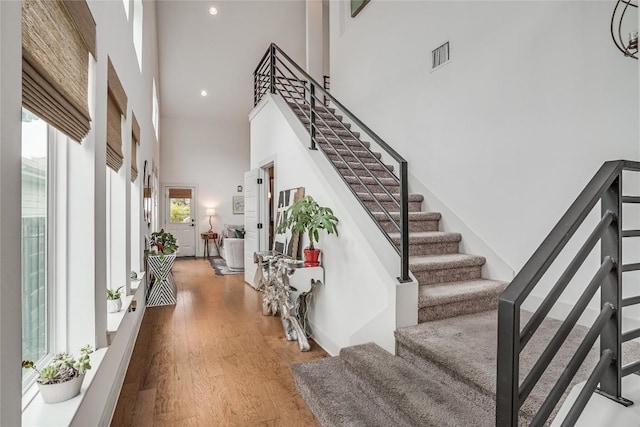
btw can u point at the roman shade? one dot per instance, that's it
(116, 108)
(135, 140)
(180, 193)
(57, 37)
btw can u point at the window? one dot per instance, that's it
(137, 30)
(180, 210)
(125, 3)
(156, 109)
(180, 205)
(36, 284)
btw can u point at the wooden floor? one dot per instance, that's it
(212, 359)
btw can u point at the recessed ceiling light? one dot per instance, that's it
(203, 93)
(213, 11)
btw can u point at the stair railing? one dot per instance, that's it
(277, 73)
(604, 188)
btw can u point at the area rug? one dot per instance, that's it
(219, 265)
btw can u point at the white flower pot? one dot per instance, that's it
(55, 393)
(114, 305)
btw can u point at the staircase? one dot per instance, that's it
(444, 373)
(450, 282)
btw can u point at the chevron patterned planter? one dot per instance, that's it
(163, 288)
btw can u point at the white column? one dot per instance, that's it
(10, 213)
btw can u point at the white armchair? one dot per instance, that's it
(233, 253)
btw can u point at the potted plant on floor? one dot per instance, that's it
(62, 378)
(306, 216)
(114, 302)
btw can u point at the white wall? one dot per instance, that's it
(212, 155)
(535, 99)
(358, 301)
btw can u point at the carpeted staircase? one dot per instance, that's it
(365, 385)
(444, 370)
(450, 282)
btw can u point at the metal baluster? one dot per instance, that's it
(312, 116)
(272, 68)
(404, 223)
(611, 293)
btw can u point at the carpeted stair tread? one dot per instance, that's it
(428, 237)
(368, 180)
(447, 343)
(416, 398)
(354, 152)
(333, 398)
(453, 292)
(383, 197)
(320, 111)
(362, 174)
(366, 165)
(441, 262)
(338, 142)
(324, 121)
(336, 132)
(413, 216)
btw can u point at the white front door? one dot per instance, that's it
(180, 217)
(251, 219)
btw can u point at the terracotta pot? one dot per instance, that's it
(55, 393)
(311, 257)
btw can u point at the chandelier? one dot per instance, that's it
(629, 49)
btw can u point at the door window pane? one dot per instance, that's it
(180, 210)
(35, 324)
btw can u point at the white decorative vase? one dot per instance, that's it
(56, 393)
(114, 305)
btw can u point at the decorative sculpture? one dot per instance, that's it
(272, 280)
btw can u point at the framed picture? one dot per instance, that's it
(286, 243)
(357, 6)
(238, 205)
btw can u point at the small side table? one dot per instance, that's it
(206, 237)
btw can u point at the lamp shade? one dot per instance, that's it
(211, 211)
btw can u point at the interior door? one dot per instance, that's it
(180, 217)
(251, 219)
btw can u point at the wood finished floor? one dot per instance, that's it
(212, 359)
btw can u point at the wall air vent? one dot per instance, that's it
(440, 56)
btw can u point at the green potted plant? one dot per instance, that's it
(160, 255)
(114, 302)
(161, 243)
(62, 378)
(306, 216)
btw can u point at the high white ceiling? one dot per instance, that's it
(198, 51)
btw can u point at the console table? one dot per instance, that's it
(288, 288)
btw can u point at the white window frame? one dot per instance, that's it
(56, 295)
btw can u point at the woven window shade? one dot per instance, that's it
(116, 108)
(180, 193)
(135, 140)
(57, 37)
